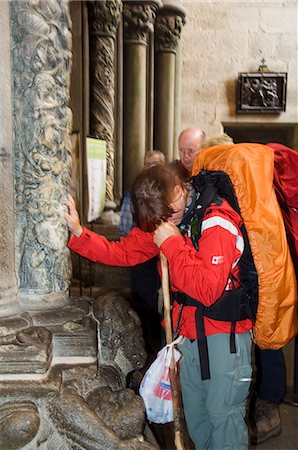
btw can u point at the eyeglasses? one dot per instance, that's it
(188, 151)
(173, 203)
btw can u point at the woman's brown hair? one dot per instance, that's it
(151, 196)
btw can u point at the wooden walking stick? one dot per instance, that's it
(176, 398)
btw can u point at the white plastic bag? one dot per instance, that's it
(155, 388)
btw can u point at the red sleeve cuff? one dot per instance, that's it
(171, 244)
(75, 243)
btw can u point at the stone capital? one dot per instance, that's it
(138, 20)
(104, 17)
(168, 26)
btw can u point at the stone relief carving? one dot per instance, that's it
(167, 32)
(41, 60)
(77, 406)
(80, 422)
(138, 21)
(28, 350)
(121, 340)
(19, 424)
(104, 18)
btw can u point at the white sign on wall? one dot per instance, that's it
(96, 172)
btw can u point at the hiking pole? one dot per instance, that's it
(176, 398)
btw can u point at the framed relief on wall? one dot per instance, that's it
(261, 92)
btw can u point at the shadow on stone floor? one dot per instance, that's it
(286, 440)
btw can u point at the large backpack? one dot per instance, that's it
(250, 168)
(286, 189)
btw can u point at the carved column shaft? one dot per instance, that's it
(139, 18)
(169, 22)
(8, 281)
(104, 18)
(41, 58)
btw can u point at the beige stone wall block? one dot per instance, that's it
(193, 68)
(206, 91)
(202, 113)
(243, 18)
(202, 17)
(223, 69)
(231, 44)
(279, 17)
(262, 45)
(286, 47)
(226, 93)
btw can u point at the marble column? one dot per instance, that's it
(169, 22)
(8, 280)
(41, 63)
(104, 18)
(138, 21)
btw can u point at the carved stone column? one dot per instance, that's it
(8, 280)
(169, 22)
(139, 18)
(41, 59)
(104, 18)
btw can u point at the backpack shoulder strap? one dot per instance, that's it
(206, 191)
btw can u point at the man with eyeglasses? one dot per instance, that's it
(189, 143)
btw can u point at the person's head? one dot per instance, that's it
(158, 195)
(222, 139)
(189, 143)
(154, 157)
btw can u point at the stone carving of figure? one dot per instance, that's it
(76, 419)
(19, 424)
(41, 50)
(121, 340)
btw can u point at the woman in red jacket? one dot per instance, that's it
(214, 387)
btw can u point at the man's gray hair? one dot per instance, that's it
(158, 153)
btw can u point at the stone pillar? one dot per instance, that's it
(41, 61)
(169, 22)
(177, 106)
(104, 18)
(8, 280)
(139, 17)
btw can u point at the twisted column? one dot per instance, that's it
(104, 18)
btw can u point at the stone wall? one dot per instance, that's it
(222, 38)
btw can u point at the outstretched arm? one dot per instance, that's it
(133, 249)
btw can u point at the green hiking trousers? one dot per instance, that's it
(214, 409)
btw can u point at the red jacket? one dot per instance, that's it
(202, 274)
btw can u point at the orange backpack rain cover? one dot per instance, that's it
(250, 168)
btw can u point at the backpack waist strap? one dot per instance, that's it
(232, 306)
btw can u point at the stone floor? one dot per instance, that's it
(286, 440)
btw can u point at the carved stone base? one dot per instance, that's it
(80, 401)
(27, 352)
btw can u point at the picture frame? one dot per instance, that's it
(261, 92)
